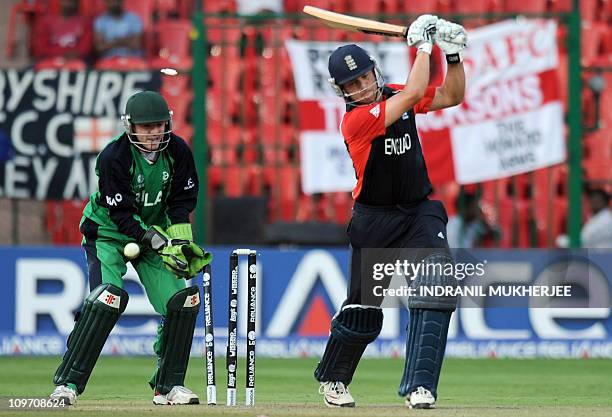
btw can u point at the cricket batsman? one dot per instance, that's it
(392, 208)
(147, 186)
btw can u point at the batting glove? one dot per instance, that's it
(421, 31)
(452, 40)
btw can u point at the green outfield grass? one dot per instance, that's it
(285, 387)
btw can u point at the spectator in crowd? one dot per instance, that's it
(468, 228)
(118, 33)
(597, 231)
(63, 35)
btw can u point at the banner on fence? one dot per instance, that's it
(53, 124)
(511, 120)
(299, 291)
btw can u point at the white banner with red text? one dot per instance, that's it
(511, 120)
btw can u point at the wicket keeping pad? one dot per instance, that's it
(101, 310)
(351, 332)
(177, 336)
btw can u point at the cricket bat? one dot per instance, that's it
(356, 24)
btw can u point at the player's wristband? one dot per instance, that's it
(425, 46)
(454, 58)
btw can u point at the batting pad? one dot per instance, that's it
(101, 310)
(351, 332)
(425, 347)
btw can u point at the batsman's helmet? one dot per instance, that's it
(349, 62)
(147, 107)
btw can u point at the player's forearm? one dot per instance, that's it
(417, 82)
(415, 88)
(454, 83)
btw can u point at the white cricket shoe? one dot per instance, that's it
(65, 394)
(421, 398)
(178, 395)
(336, 394)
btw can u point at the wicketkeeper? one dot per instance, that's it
(392, 208)
(147, 186)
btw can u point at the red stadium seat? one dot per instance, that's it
(176, 85)
(223, 36)
(253, 180)
(606, 11)
(550, 217)
(144, 9)
(283, 187)
(343, 204)
(605, 58)
(562, 73)
(62, 221)
(173, 44)
(598, 145)
(289, 188)
(288, 135)
(365, 8)
(546, 183)
(597, 169)
(185, 132)
(591, 40)
(165, 8)
(606, 103)
(223, 142)
(122, 63)
(181, 107)
(61, 63)
(305, 209)
(561, 5)
(522, 6)
(490, 192)
(218, 6)
(250, 152)
(514, 218)
(420, 7)
(274, 69)
(322, 4)
(588, 10)
(232, 181)
(391, 7)
(222, 106)
(472, 6)
(505, 220)
(274, 155)
(224, 72)
(274, 36)
(92, 8)
(215, 179)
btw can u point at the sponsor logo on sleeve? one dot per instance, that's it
(190, 185)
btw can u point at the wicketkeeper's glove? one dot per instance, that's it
(452, 40)
(169, 249)
(421, 31)
(195, 256)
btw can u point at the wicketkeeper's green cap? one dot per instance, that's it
(147, 107)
